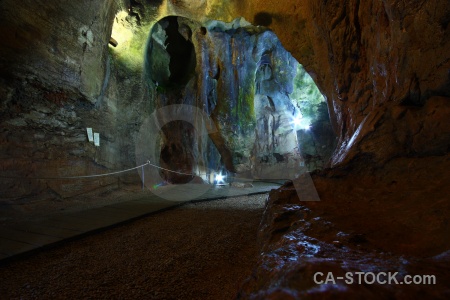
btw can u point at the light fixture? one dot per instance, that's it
(219, 178)
(113, 42)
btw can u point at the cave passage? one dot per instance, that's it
(78, 218)
(181, 51)
(170, 60)
(271, 118)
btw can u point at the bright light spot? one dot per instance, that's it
(301, 123)
(219, 178)
(121, 30)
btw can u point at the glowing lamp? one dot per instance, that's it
(219, 178)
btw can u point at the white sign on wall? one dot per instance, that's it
(96, 139)
(90, 134)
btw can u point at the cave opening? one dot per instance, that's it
(170, 59)
(271, 118)
(315, 133)
(181, 51)
(72, 111)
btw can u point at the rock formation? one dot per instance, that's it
(382, 66)
(242, 78)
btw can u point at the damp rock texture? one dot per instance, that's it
(57, 79)
(389, 220)
(382, 66)
(242, 79)
(60, 76)
(372, 60)
(384, 69)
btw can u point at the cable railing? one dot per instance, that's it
(148, 163)
(76, 177)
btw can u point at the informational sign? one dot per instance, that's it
(90, 134)
(97, 139)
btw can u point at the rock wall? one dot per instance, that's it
(53, 64)
(380, 208)
(376, 62)
(62, 45)
(383, 67)
(390, 219)
(242, 78)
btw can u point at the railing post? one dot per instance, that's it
(143, 178)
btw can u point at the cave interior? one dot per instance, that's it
(346, 106)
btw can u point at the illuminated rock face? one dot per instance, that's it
(242, 78)
(383, 67)
(364, 56)
(372, 60)
(367, 58)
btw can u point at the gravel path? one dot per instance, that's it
(197, 251)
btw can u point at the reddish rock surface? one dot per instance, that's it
(389, 219)
(369, 58)
(382, 65)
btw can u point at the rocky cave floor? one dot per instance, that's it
(197, 251)
(390, 218)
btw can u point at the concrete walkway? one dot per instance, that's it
(29, 236)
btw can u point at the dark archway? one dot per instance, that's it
(170, 59)
(247, 83)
